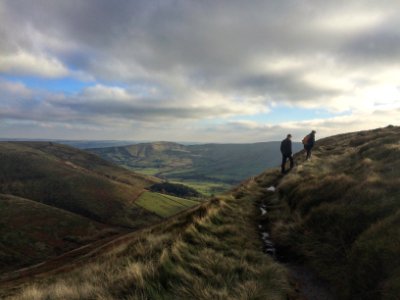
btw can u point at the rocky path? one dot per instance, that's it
(307, 284)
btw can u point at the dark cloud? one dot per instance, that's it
(195, 60)
(212, 38)
(381, 45)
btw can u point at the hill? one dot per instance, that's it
(210, 168)
(31, 232)
(209, 252)
(74, 180)
(335, 216)
(338, 214)
(80, 144)
(55, 198)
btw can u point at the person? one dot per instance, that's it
(309, 141)
(286, 150)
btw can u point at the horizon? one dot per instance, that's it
(2, 139)
(213, 72)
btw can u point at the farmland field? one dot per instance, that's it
(164, 205)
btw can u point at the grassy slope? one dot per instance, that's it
(71, 198)
(164, 205)
(31, 232)
(340, 213)
(73, 180)
(211, 252)
(337, 212)
(215, 166)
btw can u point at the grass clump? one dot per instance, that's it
(209, 252)
(339, 212)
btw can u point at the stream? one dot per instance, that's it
(307, 284)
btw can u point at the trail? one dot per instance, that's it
(65, 261)
(74, 258)
(307, 285)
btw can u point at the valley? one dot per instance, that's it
(209, 168)
(55, 198)
(199, 150)
(331, 225)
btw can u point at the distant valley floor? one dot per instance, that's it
(209, 168)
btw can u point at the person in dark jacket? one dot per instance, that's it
(286, 150)
(309, 144)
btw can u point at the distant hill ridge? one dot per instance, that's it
(54, 198)
(224, 163)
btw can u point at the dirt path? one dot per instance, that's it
(73, 259)
(307, 285)
(68, 260)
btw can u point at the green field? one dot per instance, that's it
(144, 171)
(164, 205)
(207, 188)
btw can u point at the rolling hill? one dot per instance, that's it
(74, 180)
(55, 198)
(210, 168)
(31, 232)
(80, 144)
(335, 216)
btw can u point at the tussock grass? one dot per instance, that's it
(212, 252)
(340, 212)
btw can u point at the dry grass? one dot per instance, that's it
(339, 212)
(211, 253)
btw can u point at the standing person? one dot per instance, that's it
(286, 150)
(308, 142)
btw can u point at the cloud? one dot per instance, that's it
(196, 61)
(109, 105)
(251, 131)
(12, 90)
(23, 63)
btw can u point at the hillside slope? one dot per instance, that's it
(209, 252)
(73, 180)
(339, 213)
(31, 232)
(225, 164)
(55, 198)
(336, 215)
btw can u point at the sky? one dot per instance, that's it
(197, 70)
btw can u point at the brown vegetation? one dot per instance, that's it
(212, 252)
(339, 213)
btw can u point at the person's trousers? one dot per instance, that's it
(285, 157)
(308, 151)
